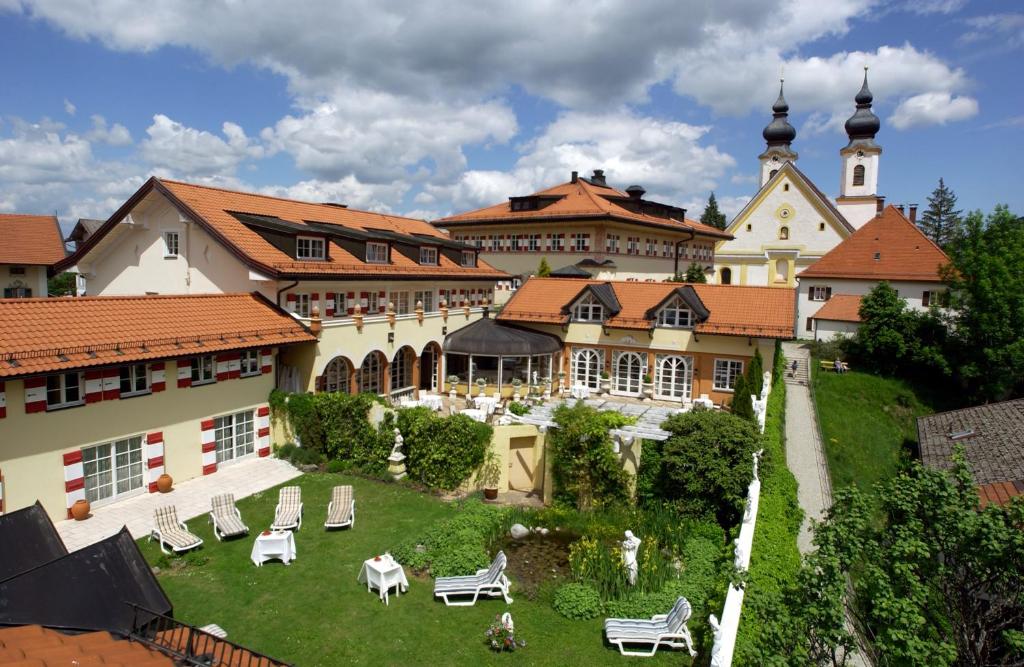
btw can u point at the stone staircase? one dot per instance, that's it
(802, 373)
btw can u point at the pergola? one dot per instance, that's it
(499, 354)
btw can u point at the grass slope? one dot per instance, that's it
(314, 612)
(868, 425)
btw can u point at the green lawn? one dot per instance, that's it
(314, 612)
(867, 423)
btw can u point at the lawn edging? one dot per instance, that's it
(775, 559)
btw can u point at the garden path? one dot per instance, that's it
(191, 498)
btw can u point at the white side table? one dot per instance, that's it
(383, 574)
(278, 545)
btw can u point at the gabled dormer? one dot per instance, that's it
(594, 303)
(681, 309)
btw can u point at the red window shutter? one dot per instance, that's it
(93, 386)
(111, 384)
(292, 297)
(3, 405)
(266, 360)
(158, 376)
(184, 373)
(350, 302)
(329, 306)
(35, 394)
(382, 301)
(222, 370)
(315, 296)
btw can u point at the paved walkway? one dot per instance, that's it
(191, 498)
(804, 453)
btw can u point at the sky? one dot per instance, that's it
(427, 109)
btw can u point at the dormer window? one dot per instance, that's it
(676, 314)
(308, 247)
(588, 309)
(428, 256)
(376, 253)
(468, 258)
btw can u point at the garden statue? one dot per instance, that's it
(396, 461)
(716, 647)
(757, 459)
(629, 548)
(506, 620)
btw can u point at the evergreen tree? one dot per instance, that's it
(742, 406)
(544, 270)
(695, 274)
(755, 374)
(941, 222)
(711, 215)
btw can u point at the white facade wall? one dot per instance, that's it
(34, 278)
(911, 291)
(826, 330)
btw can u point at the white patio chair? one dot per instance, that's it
(225, 517)
(288, 513)
(491, 582)
(171, 532)
(341, 511)
(664, 629)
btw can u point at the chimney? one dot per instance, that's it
(899, 207)
(598, 177)
(635, 192)
(575, 176)
(913, 213)
(879, 205)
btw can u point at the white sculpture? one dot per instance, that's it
(506, 620)
(629, 548)
(716, 647)
(396, 450)
(757, 460)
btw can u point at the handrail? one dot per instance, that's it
(190, 645)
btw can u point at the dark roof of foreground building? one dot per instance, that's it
(487, 337)
(38, 541)
(993, 439)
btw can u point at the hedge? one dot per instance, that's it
(775, 559)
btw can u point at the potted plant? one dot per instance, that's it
(80, 510)
(648, 386)
(490, 474)
(453, 380)
(517, 384)
(481, 385)
(606, 382)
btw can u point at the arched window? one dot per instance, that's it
(676, 314)
(673, 377)
(858, 175)
(401, 369)
(369, 374)
(336, 375)
(726, 276)
(628, 369)
(772, 173)
(587, 364)
(588, 309)
(784, 233)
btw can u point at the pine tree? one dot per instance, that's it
(695, 274)
(742, 406)
(543, 270)
(755, 374)
(711, 215)
(941, 222)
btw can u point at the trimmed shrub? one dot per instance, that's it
(337, 466)
(442, 451)
(579, 601)
(458, 546)
(459, 559)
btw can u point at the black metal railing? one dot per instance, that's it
(191, 646)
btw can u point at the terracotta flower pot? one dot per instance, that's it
(164, 483)
(491, 494)
(80, 510)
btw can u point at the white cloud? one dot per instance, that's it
(348, 190)
(932, 109)
(197, 153)
(999, 31)
(114, 135)
(69, 108)
(925, 7)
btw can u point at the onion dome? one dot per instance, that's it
(863, 124)
(779, 132)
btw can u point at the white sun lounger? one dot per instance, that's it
(288, 513)
(664, 629)
(226, 519)
(168, 531)
(341, 511)
(491, 582)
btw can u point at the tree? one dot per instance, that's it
(586, 471)
(711, 215)
(941, 221)
(62, 284)
(544, 270)
(934, 580)
(987, 304)
(695, 273)
(755, 373)
(741, 403)
(707, 463)
(883, 341)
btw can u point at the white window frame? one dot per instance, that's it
(633, 245)
(250, 363)
(372, 303)
(588, 309)
(310, 252)
(727, 370)
(204, 370)
(340, 304)
(673, 377)
(133, 377)
(401, 302)
(376, 252)
(428, 300)
(428, 256)
(303, 305)
(819, 293)
(234, 436)
(557, 242)
(401, 370)
(63, 390)
(580, 242)
(672, 315)
(337, 376)
(468, 258)
(172, 243)
(533, 243)
(370, 376)
(587, 364)
(631, 382)
(612, 243)
(92, 462)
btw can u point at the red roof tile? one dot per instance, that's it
(46, 335)
(580, 200)
(902, 251)
(1000, 493)
(840, 308)
(735, 310)
(41, 647)
(30, 239)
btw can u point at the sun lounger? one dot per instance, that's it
(288, 514)
(226, 519)
(341, 511)
(661, 630)
(491, 582)
(170, 532)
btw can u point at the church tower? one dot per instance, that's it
(858, 189)
(779, 134)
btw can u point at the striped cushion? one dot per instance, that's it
(289, 506)
(341, 504)
(223, 509)
(170, 532)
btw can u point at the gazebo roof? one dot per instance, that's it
(489, 338)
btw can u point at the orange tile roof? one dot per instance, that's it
(736, 310)
(35, 646)
(46, 335)
(904, 253)
(579, 200)
(30, 239)
(1000, 493)
(840, 308)
(211, 207)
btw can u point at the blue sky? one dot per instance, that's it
(397, 106)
